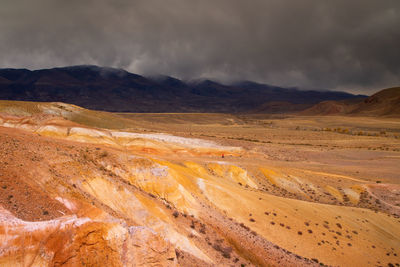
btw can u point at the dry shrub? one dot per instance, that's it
(225, 251)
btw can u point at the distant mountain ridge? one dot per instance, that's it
(117, 90)
(383, 103)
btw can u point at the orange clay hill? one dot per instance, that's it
(87, 188)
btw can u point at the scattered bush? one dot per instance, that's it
(244, 226)
(103, 154)
(202, 229)
(226, 252)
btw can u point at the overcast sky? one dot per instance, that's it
(351, 45)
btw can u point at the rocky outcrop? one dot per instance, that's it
(72, 241)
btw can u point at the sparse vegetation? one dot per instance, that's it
(103, 154)
(225, 251)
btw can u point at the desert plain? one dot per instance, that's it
(85, 187)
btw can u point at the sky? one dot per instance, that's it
(349, 45)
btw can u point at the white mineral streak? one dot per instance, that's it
(167, 138)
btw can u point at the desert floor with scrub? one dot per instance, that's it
(87, 187)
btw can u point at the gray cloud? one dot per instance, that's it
(340, 44)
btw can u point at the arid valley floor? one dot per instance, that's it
(83, 187)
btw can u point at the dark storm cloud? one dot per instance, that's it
(340, 44)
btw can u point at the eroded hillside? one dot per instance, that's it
(74, 194)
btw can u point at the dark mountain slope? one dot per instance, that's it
(384, 103)
(120, 91)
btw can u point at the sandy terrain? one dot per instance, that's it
(288, 191)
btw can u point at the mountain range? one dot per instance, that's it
(117, 90)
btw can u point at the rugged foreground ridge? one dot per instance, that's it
(72, 241)
(72, 194)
